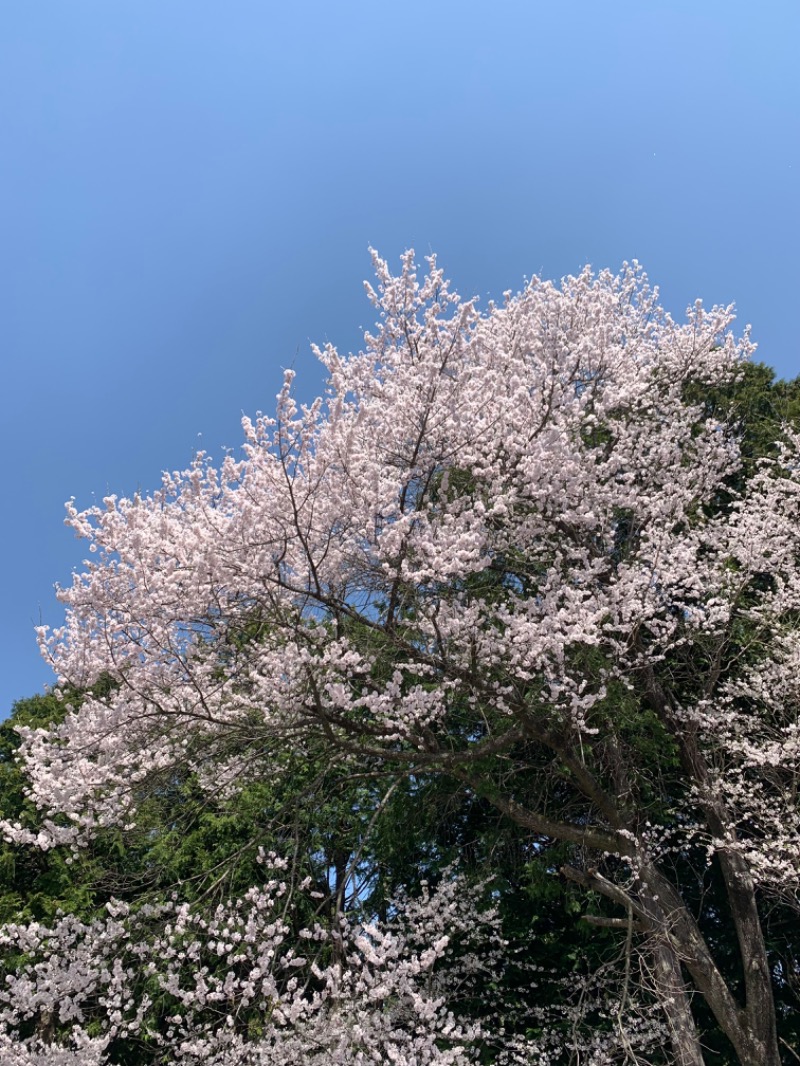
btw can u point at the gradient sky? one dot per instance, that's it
(188, 190)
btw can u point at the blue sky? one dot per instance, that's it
(188, 190)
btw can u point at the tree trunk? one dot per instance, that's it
(675, 1003)
(751, 1029)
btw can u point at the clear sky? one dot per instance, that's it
(188, 189)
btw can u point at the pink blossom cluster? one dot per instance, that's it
(416, 569)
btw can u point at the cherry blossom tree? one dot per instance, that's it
(510, 548)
